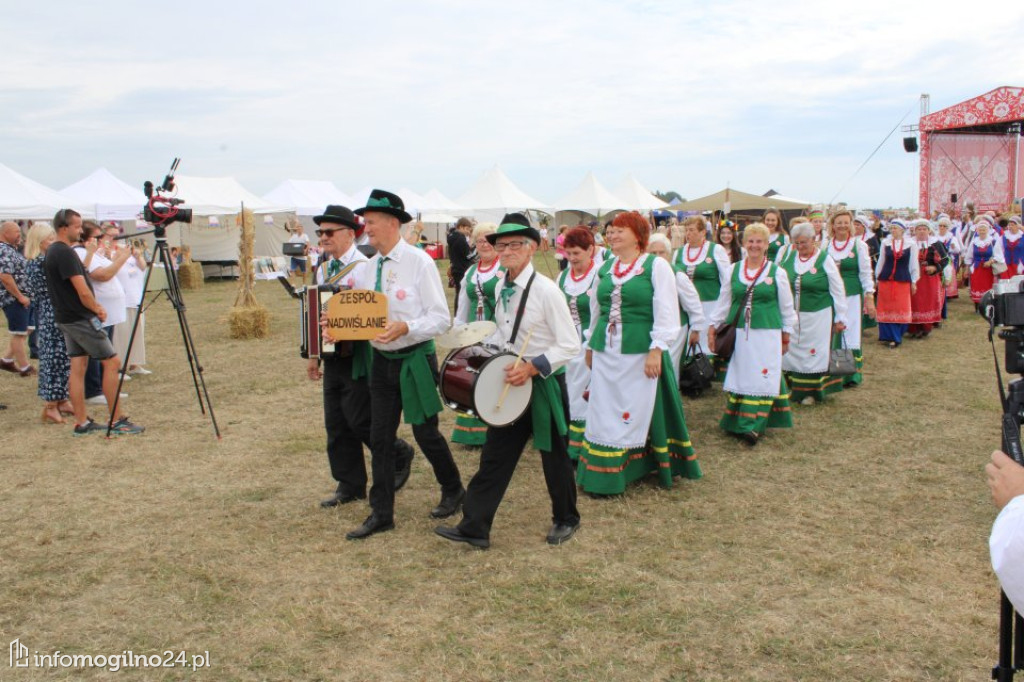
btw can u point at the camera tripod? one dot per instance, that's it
(162, 254)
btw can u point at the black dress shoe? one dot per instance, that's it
(372, 524)
(340, 497)
(403, 463)
(449, 505)
(750, 437)
(455, 535)
(560, 532)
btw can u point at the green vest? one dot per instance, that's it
(849, 270)
(814, 293)
(764, 311)
(490, 288)
(705, 274)
(637, 308)
(579, 306)
(684, 317)
(775, 244)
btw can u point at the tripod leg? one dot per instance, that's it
(1003, 671)
(174, 295)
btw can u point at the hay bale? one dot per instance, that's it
(251, 322)
(190, 276)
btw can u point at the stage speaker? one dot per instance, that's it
(953, 197)
(910, 144)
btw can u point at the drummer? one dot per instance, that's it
(345, 372)
(477, 298)
(529, 306)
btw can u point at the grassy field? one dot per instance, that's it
(853, 547)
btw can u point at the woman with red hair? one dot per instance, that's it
(576, 281)
(635, 423)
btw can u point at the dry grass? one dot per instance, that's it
(851, 548)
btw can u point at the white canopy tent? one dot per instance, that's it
(308, 197)
(494, 195)
(636, 196)
(590, 197)
(109, 197)
(25, 199)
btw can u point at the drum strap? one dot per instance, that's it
(521, 310)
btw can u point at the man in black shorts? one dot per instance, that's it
(80, 317)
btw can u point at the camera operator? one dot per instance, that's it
(1006, 544)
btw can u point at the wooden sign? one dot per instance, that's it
(356, 315)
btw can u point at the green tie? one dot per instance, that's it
(508, 290)
(333, 267)
(380, 267)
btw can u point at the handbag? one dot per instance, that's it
(695, 371)
(840, 360)
(725, 333)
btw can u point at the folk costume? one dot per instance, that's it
(577, 374)
(820, 300)
(854, 261)
(346, 381)
(530, 305)
(977, 255)
(477, 297)
(708, 267)
(403, 378)
(635, 424)
(926, 302)
(1013, 253)
(757, 393)
(775, 243)
(691, 317)
(954, 248)
(897, 270)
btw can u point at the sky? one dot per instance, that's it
(686, 96)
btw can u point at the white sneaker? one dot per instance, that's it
(139, 370)
(127, 377)
(102, 399)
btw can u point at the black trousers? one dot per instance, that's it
(347, 420)
(458, 288)
(386, 407)
(502, 450)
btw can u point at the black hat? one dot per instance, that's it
(339, 215)
(381, 201)
(515, 223)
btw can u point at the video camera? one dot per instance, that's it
(161, 210)
(1003, 307)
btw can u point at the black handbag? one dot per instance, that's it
(725, 333)
(695, 371)
(840, 360)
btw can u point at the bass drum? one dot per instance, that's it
(473, 380)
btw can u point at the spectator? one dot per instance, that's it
(54, 366)
(15, 303)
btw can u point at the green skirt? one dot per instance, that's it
(817, 386)
(857, 378)
(576, 444)
(745, 413)
(605, 470)
(468, 430)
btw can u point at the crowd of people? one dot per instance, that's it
(71, 293)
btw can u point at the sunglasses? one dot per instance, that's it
(328, 233)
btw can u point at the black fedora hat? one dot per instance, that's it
(515, 223)
(339, 215)
(382, 201)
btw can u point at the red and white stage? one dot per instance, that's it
(972, 150)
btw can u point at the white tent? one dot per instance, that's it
(494, 195)
(219, 196)
(437, 202)
(25, 199)
(414, 203)
(590, 196)
(636, 196)
(308, 197)
(109, 197)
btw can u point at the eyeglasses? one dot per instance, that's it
(511, 246)
(329, 233)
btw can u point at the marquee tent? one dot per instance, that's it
(109, 197)
(25, 199)
(635, 196)
(307, 197)
(738, 201)
(494, 195)
(590, 196)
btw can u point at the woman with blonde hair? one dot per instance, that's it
(54, 365)
(778, 237)
(759, 299)
(853, 258)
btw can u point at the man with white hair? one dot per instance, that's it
(14, 277)
(403, 377)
